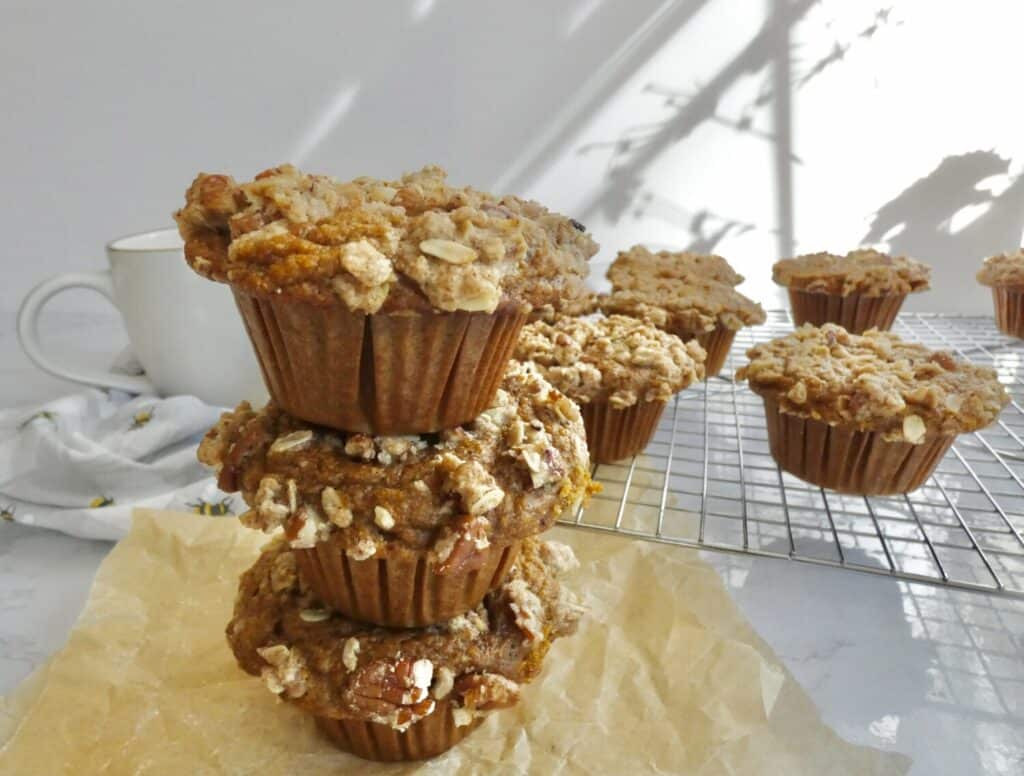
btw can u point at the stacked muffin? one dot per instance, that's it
(404, 465)
(690, 295)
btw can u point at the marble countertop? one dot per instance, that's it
(933, 673)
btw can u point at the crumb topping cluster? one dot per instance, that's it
(875, 381)
(332, 666)
(638, 266)
(864, 271)
(617, 359)
(375, 245)
(1006, 269)
(508, 474)
(686, 308)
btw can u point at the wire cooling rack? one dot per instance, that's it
(708, 480)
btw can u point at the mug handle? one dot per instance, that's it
(28, 332)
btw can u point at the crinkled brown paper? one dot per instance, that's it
(664, 676)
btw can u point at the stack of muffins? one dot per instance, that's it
(405, 466)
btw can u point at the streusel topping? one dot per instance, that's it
(689, 306)
(331, 666)
(1006, 269)
(875, 381)
(638, 267)
(508, 474)
(617, 359)
(864, 271)
(375, 245)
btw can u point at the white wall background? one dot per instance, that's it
(751, 127)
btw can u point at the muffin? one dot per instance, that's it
(407, 531)
(707, 310)
(1005, 275)
(860, 291)
(621, 371)
(384, 307)
(400, 694)
(638, 266)
(866, 414)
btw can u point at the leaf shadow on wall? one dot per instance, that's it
(921, 220)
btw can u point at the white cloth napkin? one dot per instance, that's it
(80, 464)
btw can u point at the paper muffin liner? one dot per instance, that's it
(848, 460)
(1009, 303)
(716, 342)
(386, 373)
(402, 590)
(856, 313)
(432, 735)
(614, 434)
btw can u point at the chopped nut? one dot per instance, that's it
(293, 497)
(448, 250)
(369, 265)
(291, 441)
(914, 429)
(363, 549)
(383, 518)
(444, 679)
(350, 654)
(422, 673)
(286, 672)
(314, 615)
(339, 514)
(527, 608)
(360, 446)
(487, 501)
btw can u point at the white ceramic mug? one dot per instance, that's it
(184, 329)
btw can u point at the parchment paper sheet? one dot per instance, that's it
(664, 676)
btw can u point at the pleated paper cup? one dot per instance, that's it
(715, 342)
(856, 313)
(400, 590)
(848, 460)
(1009, 303)
(432, 735)
(386, 373)
(614, 434)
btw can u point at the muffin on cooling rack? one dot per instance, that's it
(638, 266)
(866, 414)
(400, 694)
(620, 370)
(407, 531)
(859, 291)
(1004, 274)
(386, 307)
(706, 310)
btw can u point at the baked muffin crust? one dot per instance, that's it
(639, 266)
(334, 667)
(381, 246)
(691, 305)
(617, 359)
(864, 271)
(1006, 269)
(507, 475)
(874, 381)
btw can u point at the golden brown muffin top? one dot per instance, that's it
(374, 245)
(638, 266)
(335, 667)
(1006, 269)
(874, 381)
(617, 359)
(508, 474)
(863, 271)
(692, 306)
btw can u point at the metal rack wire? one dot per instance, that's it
(708, 480)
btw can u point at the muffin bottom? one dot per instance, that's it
(1009, 304)
(385, 373)
(856, 313)
(401, 590)
(614, 434)
(847, 460)
(715, 342)
(429, 737)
